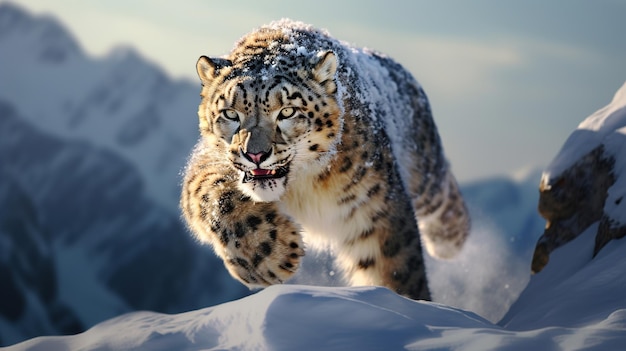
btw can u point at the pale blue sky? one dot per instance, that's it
(508, 80)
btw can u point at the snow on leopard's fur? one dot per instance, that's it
(306, 137)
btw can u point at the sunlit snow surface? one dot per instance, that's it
(575, 304)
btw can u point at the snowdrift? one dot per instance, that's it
(295, 317)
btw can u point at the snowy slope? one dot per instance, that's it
(316, 318)
(576, 303)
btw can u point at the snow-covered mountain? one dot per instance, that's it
(569, 312)
(577, 302)
(81, 242)
(121, 102)
(90, 154)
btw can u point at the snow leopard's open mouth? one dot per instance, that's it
(261, 174)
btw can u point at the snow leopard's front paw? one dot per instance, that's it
(262, 248)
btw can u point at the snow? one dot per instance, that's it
(574, 304)
(582, 291)
(298, 317)
(606, 127)
(486, 277)
(590, 133)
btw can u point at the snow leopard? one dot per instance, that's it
(306, 141)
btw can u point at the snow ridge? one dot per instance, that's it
(289, 317)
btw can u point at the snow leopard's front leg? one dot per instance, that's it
(258, 244)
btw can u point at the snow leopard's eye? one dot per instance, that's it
(230, 115)
(286, 113)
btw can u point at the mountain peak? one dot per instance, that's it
(55, 42)
(11, 13)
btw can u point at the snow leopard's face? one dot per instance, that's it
(275, 125)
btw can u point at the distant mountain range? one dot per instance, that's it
(90, 155)
(80, 241)
(121, 102)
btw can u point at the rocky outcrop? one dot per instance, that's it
(582, 185)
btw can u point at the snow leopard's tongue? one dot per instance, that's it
(259, 172)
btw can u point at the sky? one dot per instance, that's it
(508, 81)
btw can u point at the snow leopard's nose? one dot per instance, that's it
(256, 142)
(257, 158)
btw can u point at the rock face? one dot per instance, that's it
(583, 186)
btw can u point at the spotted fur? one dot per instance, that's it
(303, 136)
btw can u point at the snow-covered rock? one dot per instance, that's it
(585, 184)
(575, 290)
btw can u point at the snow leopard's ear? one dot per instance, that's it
(208, 68)
(324, 70)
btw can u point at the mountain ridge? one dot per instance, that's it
(122, 101)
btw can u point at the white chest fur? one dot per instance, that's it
(323, 219)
